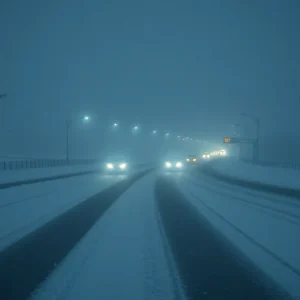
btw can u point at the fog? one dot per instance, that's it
(185, 68)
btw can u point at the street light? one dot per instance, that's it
(115, 125)
(154, 132)
(256, 120)
(68, 125)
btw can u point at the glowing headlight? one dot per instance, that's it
(204, 156)
(168, 164)
(109, 166)
(179, 165)
(194, 159)
(187, 159)
(123, 166)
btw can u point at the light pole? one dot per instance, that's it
(257, 122)
(68, 126)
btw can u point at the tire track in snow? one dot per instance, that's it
(209, 266)
(26, 263)
(281, 214)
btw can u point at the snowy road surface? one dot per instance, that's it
(155, 236)
(27, 207)
(282, 177)
(28, 174)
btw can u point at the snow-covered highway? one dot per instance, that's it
(152, 235)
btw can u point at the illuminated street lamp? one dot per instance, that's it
(85, 118)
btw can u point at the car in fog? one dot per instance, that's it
(117, 164)
(173, 164)
(206, 155)
(223, 153)
(191, 159)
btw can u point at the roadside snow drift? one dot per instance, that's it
(268, 175)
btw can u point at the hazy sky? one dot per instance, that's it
(185, 66)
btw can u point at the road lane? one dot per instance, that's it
(29, 261)
(25, 208)
(209, 266)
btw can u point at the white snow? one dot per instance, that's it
(266, 228)
(25, 174)
(121, 257)
(271, 175)
(27, 207)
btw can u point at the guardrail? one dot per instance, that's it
(43, 163)
(295, 166)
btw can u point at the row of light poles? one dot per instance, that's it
(256, 120)
(116, 125)
(68, 126)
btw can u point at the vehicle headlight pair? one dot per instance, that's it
(194, 159)
(111, 166)
(177, 164)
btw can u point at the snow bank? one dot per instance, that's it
(27, 174)
(282, 177)
(27, 207)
